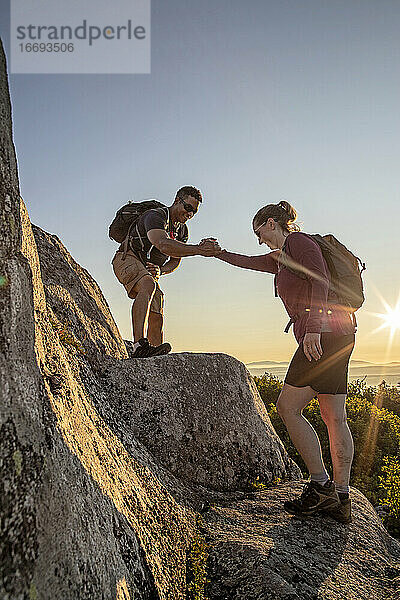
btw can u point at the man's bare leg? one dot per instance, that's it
(144, 290)
(333, 413)
(155, 328)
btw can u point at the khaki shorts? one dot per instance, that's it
(129, 272)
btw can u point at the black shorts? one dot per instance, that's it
(328, 375)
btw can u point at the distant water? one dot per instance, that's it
(373, 374)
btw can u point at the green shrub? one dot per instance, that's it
(269, 387)
(390, 486)
(383, 396)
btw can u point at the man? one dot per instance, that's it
(157, 245)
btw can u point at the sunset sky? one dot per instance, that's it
(253, 103)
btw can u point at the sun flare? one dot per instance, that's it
(391, 318)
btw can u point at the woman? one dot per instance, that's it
(319, 366)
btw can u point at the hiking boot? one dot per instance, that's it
(314, 497)
(341, 513)
(159, 350)
(142, 350)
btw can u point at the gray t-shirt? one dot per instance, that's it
(156, 218)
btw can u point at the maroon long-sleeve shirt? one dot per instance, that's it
(305, 300)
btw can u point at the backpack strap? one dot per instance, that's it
(295, 317)
(281, 261)
(152, 246)
(126, 242)
(166, 213)
(290, 323)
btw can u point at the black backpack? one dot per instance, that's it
(346, 286)
(126, 220)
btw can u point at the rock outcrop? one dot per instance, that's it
(199, 415)
(126, 478)
(81, 517)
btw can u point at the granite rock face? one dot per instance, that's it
(115, 471)
(81, 518)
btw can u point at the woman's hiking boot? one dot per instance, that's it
(314, 498)
(341, 513)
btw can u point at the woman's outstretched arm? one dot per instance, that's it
(267, 263)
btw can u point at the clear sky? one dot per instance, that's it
(253, 103)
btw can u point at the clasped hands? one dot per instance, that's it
(207, 247)
(210, 247)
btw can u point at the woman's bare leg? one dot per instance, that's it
(291, 402)
(333, 412)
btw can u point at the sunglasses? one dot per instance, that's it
(188, 207)
(256, 231)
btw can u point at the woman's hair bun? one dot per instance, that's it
(289, 210)
(283, 213)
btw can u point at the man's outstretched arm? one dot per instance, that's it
(175, 249)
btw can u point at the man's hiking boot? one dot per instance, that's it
(146, 350)
(141, 350)
(159, 350)
(341, 513)
(314, 498)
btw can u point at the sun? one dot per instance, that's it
(391, 318)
